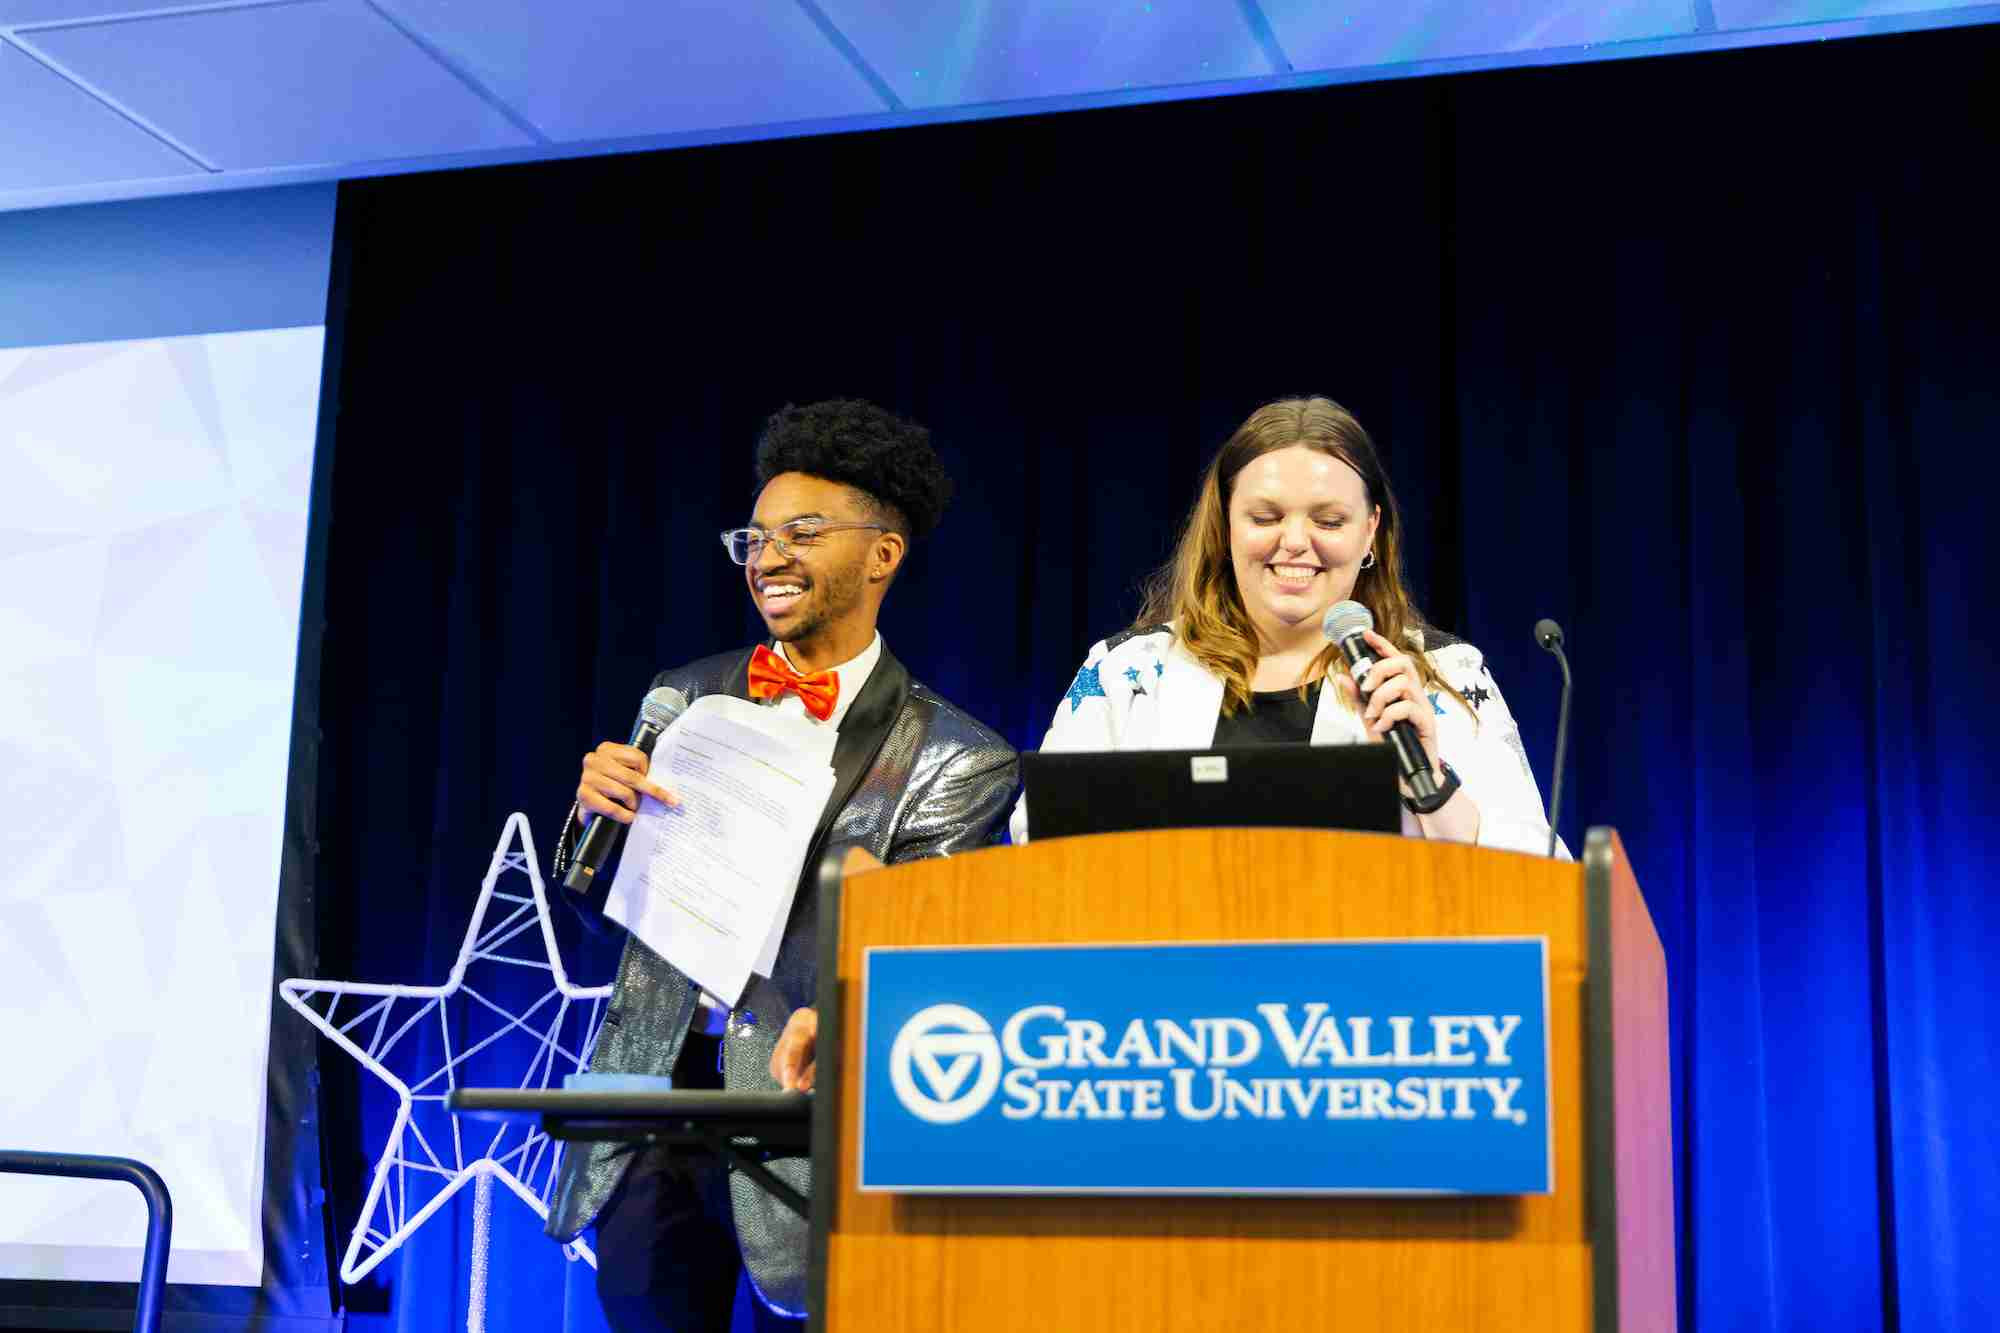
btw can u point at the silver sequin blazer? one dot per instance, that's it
(913, 777)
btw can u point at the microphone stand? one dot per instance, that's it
(1550, 636)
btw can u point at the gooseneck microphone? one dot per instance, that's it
(604, 836)
(1345, 623)
(1550, 636)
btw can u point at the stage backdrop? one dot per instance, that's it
(1695, 355)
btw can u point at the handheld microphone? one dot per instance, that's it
(605, 836)
(1550, 636)
(1345, 623)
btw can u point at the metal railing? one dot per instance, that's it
(159, 1213)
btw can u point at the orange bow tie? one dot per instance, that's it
(771, 676)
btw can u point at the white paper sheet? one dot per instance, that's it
(709, 885)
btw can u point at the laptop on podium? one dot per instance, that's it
(1251, 786)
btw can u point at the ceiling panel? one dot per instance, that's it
(944, 54)
(273, 91)
(610, 69)
(52, 134)
(1316, 35)
(324, 81)
(1767, 13)
(60, 11)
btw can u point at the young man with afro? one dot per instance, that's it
(844, 489)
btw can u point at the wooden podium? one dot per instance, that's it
(1596, 1254)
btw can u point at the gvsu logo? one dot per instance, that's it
(945, 1064)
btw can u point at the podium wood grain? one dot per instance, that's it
(902, 1262)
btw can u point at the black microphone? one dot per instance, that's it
(1345, 623)
(604, 836)
(1550, 636)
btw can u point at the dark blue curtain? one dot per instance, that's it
(1696, 355)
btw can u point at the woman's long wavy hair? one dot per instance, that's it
(1196, 588)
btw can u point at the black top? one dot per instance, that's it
(1274, 717)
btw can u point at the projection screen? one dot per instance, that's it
(153, 499)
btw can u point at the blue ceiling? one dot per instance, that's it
(107, 99)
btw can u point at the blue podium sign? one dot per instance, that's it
(1339, 1067)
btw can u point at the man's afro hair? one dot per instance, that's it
(858, 444)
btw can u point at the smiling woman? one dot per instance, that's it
(1297, 507)
(1293, 515)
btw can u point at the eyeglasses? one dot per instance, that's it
(746, 544)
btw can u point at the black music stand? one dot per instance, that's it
(746, 1129)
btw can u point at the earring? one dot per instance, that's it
(1368, 561)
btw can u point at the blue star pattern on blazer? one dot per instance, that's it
(1085, 686)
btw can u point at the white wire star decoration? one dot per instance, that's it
(414, 1177)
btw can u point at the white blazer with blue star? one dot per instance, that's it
(1141, 690)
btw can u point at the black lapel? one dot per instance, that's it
(862, 732)
(738, 684)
